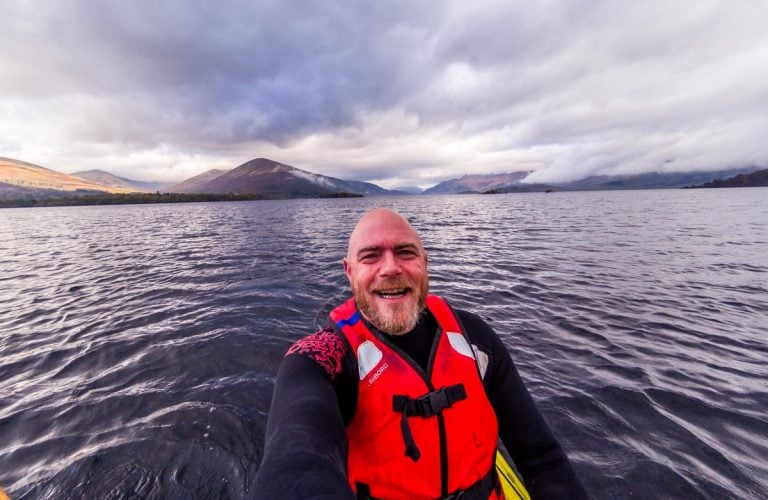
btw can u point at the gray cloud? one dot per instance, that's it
(396, 92)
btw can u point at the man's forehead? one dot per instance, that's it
(383, 228)
(385, 236)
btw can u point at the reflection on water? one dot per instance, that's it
(138, 344)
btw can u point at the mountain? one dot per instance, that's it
(195, 184)
(410, 190)
(758, 178)
(476, 183)
(37, 180)
(365, 188)
(510, 183)
(269, 178)
(652, 180)
(107, 179)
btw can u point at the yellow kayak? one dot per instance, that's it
(512, 486)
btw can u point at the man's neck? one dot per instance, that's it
(417, 343)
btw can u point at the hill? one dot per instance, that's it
(476, 183)
(513, 183)
(107, 179)
(265, 177)
(35, 179)
(410, 190)
(195, 184)
(758, 178)
(652, 180)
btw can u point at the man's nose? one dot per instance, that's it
(389, 265)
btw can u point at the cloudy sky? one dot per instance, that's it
(394, 92)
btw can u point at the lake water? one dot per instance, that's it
(139, 344)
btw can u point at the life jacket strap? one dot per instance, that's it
(431, 403)
(425, 406)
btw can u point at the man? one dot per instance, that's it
(402, 397)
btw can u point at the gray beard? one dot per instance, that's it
(397, 322)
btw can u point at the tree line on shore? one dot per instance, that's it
(122, 199)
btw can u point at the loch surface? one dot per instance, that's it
(139, 344)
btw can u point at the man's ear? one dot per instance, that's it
(347, 269)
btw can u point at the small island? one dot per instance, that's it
(342, 194)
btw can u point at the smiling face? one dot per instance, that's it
(387, 268)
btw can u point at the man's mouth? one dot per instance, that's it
(392, 293)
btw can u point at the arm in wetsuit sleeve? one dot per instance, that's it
(306, 442)
(545, 468)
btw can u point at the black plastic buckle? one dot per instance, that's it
(422, 408)
(438, 400)
(429, 404)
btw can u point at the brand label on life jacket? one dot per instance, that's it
(378, 373)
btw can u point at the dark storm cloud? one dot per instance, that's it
(389, 91)
(272, 69)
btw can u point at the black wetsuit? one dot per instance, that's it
(315, 397)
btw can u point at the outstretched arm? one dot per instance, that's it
(305, 444)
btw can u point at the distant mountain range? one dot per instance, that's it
(410, 190)
(652, 180)
(266, 178)
(476, 183)
(261, 177)
(107, 179)
(273, 179)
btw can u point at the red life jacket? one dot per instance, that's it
(417, 434)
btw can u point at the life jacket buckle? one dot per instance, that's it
(430, 404)
(425, 406)
(436, 401)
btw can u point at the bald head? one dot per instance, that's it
(377, 223)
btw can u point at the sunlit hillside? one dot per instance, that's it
(27, 175)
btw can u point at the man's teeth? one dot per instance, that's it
(392, 294)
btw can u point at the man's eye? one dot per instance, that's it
(368, 257)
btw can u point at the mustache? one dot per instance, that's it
(391, 283)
